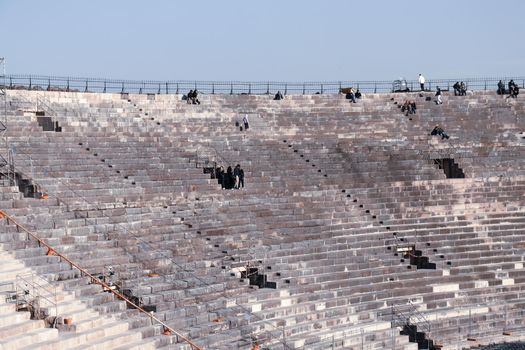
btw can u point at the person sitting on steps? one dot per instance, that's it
(189, 97)
(514, 90)
(195, 100)
(439, 101)
(358, 94)
(439, 132)
(462, 89)
(278, 96)
(351, 95)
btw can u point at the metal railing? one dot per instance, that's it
(34, 292)
(103, 85)
(94, 279)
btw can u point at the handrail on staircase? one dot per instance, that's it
(51, 251)
(29, 281)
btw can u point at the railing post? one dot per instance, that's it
(249, 89)
(177, 92)
(166, 88)
(268, 88)
(285, 89)
(231, 88)
(86, 90)
(67, 88)
(375, 88)
(340, 87)
(30, 83)
(48, 84)
(322, 89)
(10, 82)
(303, 89)
(213, 88)
(122, 91)
(159, 90)
(485, 85)
(104, 86)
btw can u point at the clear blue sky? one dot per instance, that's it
(289, 40)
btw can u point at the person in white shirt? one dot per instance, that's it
(245, 121)
(422, 82)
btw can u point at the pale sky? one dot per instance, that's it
(289, 40)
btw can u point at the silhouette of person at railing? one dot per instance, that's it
(189, 96)
(421, 80)
(514, 90)
(501, 88)
(351, 95)
(278, 96)
(456, 87)
(358, 94)
(439, 132)
(462, 89)
(192, 97)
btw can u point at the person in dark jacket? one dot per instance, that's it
(241, 178)
(229, 178)
(456, 88)
(438, 131)
(219, 175)
(501, 88)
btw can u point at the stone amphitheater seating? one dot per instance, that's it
(333, 191)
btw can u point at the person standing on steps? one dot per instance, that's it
(439, 101)
(237, 176)
(422, 82)
(245, 121)
(241, 178)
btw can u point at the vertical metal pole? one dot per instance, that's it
(284, 336)
(392, 326)
(375, 88)
(167, 91)
(286, 89)
(321, 89)
(333, 342)
(469, 322)
(362, 339)
(303, 89)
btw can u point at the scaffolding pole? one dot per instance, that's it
(7, 169)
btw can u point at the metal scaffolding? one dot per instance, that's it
(7, 169)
